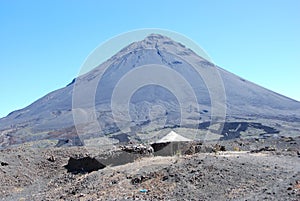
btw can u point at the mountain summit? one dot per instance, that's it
(157, 41)
(166, 90)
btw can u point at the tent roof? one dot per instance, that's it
(173, 137)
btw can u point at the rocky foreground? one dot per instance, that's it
(245, 170)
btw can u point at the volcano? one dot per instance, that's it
(153, 85)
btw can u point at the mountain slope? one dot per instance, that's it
(153, 106)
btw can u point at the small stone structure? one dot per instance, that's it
(170, 145)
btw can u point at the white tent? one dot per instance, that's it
(173, 137)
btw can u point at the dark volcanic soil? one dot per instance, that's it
(270, 172)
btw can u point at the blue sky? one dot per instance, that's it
(44, 43)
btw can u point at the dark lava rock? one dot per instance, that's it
(4, 164)
(263, 149)
(51, 159)
(83, 165)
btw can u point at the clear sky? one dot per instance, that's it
(44, 43)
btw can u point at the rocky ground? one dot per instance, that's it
(253, 169)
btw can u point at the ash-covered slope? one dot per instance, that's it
(51, 117)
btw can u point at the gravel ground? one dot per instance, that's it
(263, 174)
